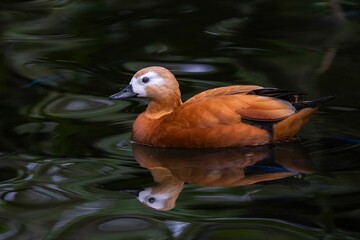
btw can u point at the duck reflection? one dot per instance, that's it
(171, 168)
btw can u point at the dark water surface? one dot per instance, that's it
(68, 170)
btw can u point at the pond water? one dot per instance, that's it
(69, 171)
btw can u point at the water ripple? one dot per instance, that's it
(9, 228)
(73, 106)
(181, 68)
(38, 196)
(113, 227)
(227, 28)
(8, 173)
(257, 228)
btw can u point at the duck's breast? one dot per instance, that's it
(144, 129)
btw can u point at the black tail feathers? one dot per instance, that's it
(313, 103)
(291, 96)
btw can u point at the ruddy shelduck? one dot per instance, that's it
(231, 116)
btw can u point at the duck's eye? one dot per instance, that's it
(151, 200)
(145, 79)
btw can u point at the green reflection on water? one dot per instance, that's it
(65, 154)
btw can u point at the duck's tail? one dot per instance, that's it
(290, 126)
(312, 104)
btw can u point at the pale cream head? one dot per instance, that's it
(154, 82)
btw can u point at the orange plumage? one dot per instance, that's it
(222, 117)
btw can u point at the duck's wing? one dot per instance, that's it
(291, 96)
(224, 91)
(230, 109)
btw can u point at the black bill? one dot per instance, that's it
(127, 92)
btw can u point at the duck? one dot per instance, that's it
(230, 116)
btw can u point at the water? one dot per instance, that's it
(67, 168)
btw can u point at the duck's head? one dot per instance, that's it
(155, 83)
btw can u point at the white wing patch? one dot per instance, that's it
(140, 88)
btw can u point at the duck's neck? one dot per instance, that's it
(160, 107)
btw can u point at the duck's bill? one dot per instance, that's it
(127, 92)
